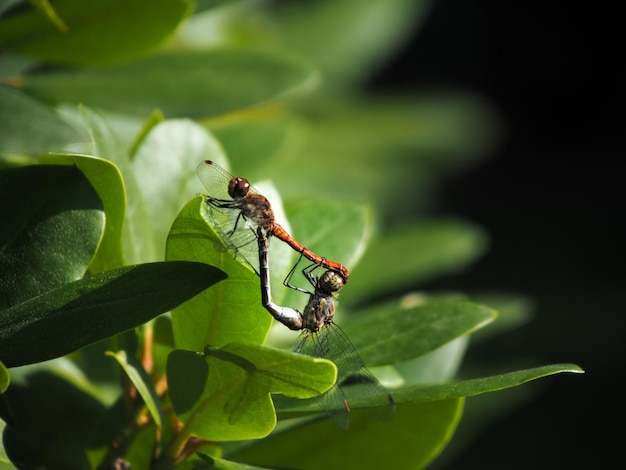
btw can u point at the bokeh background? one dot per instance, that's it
(549, 196)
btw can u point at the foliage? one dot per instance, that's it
(127, 330)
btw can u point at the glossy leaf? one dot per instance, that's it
(142, 382)
(226, 395)
(98, 32)
(213, 463)
(29, 127)
(415, 253)
(52, 223)
(64, 319)
(181, 83)
(107, 180)
(413, 438)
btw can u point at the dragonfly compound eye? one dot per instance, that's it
(238, 187)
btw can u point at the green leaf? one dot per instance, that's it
(226, 394)
(415, 331)
(107, 180)
(52, 223)
(5, 378)
(471, 387)
(64, 319)
(29, 127)
(138, 244)
(98, 32)
(419, 251)
(55, 419)
(44, 7)
(367, 31)
(164, 165)
(413, 438)
(231, 311)
(213, 463)
(142, 382)
(182, 83)
(335, 230)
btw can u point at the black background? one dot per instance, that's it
(549, 197)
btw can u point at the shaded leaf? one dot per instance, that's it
(230, 393)
(97, 32)
(5, 378)
(52, 223)
(29, 127)
(413, 438)
(181, 83)
(142, 382)
(107, 180)
(64, 319)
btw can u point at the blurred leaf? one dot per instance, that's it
(414, 253)
(513, 310)
(181, 83)
(142, 382)
(106, 179)
(389, 151)
(165, 168)
(52, 223)
(367, 31)
(225, 395)
(64, 319)
(138, 244)
(98, 32)
(44, 7)
(29, 127)
(413, 438)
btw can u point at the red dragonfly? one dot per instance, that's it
(321, 337)
(243, 209)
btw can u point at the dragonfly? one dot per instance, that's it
(322, 337)
(240, 210)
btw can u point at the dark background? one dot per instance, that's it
(549, 198)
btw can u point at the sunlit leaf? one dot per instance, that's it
(225, 395)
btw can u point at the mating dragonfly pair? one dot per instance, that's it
(242, 215)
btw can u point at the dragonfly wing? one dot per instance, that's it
(333, 401)
(358, 384)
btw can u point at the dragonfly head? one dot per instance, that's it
(331, 282)
(238, 187)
